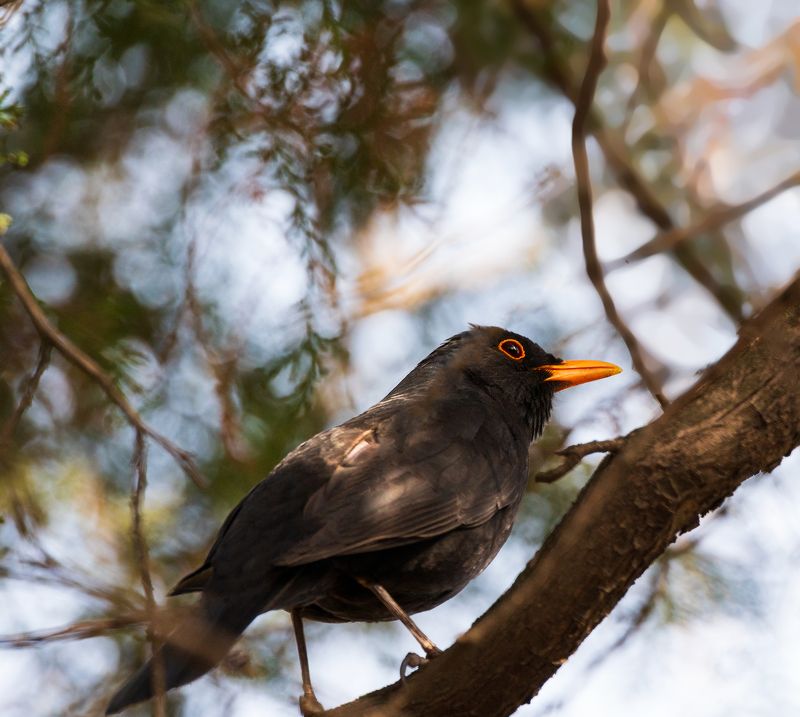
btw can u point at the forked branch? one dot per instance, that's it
(89, 366)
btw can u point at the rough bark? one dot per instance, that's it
(742, 417)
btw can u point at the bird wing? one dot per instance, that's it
(411, 476)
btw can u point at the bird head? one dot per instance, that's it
(511, 357)
(508, 366)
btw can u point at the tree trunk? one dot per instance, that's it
(742, 417)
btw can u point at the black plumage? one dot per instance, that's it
(410, 499)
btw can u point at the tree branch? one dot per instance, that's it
(80, 630)
(28, 392)
(89, 366)
(740, 418)
(558, 73)
(575, 454)
(583, 108)
(143, 559)
(715, 218)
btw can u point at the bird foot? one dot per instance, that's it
(310, 706)
(413, 660)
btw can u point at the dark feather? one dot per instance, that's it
(418, 492)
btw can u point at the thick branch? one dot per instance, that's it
(742, 417)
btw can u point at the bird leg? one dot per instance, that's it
(411, 659)
(309, 704)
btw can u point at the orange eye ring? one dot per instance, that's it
(512, 348)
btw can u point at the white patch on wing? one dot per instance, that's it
(359, 447)
(386, 496)
(362, 443)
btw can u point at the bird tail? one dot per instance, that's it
(199, 643)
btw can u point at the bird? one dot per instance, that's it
(388, 514)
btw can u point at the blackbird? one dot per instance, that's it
(388, 514)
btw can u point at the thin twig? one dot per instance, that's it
(80, 630)
(575, 454)
(63, 98)
(23, 511)
(583, 107)
(28, 392)
(89, 366)
(646, 57)
(222, 367)
(713, 219)
(142, 556)
(51, 572)
(238, 73)
(7, 10)
(235, 71)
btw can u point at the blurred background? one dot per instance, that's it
(257, 217)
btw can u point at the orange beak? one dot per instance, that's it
(571, 373)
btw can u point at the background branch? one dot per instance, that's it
(28, 392)
(616, 154)
(143, 559)
(89, 366)
(76, 631)
(583, 106)
(713, 219)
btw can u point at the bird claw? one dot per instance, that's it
(413, 660)
(310, 706)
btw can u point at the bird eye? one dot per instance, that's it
(512, 348)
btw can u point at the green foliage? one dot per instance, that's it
(10, 114)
